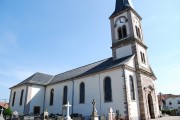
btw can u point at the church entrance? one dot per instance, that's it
(36, 110)
(151, 107)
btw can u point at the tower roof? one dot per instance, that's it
(121, 5)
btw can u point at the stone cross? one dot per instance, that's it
(111, 112)
(2, 111)
(94, 113)
(67, 115)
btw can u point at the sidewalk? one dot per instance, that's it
(169, 118)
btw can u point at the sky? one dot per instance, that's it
(53, 36)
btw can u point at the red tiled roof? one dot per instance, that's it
(4, 105)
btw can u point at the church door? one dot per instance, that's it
(151, 107)
(36, 110)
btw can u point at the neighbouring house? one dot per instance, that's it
(169, 102)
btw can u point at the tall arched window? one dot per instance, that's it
(51, 97)
(21, 97)
(14, 97)
(82, 93)
(132, 88)
(65, 92)
(107, 90)
(122, 32)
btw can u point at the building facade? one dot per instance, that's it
(124, 81)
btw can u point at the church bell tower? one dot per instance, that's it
(127, 39)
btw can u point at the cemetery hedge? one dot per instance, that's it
(8, 112)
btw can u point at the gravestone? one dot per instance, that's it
(15, 114)
(1, 115)
(28, 117)
(94, 115)
(67, 111)
(46, 114)
(103, 117)
(111, 115)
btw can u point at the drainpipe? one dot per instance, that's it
(125, 90)
(25, 101)
(100, 93)
(44, 98)
(72, 95)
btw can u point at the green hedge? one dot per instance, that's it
(169, 112)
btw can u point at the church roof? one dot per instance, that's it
(89, 69)
(45, 79)
(37, 78)
(122, 5)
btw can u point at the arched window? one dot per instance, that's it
(120, 35)
(132, 88)
(107, 90)
(124, 31)
(82, 93)
(21, 97)
(138, 33)
(14, 96)
(65, 91)
(51, 97)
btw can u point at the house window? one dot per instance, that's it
(170, 103)
(178, 101)
(65, 91)
(21, 98)
(82, 93)
(14, 96)
(107, 90)
(132, 88)
(51, 97)
(122, 32)
(143, 60)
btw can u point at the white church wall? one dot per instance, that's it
(133, 104)
(92, 91)
(123, 51)
(58, 97)
(117, 83)
(36, 98)
(131, 63)
(17, 107)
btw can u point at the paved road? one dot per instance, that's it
(169, 118)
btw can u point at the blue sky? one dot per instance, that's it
(53, 36)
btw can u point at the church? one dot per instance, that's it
(124, 81)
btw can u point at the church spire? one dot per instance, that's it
(121, 5)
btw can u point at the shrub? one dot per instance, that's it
(8, 112)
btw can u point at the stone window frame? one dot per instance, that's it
(143, 59)
(82, 93)
(106, 90)
(138, 32)
(21, 97)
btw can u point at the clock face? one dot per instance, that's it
(121, 21)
